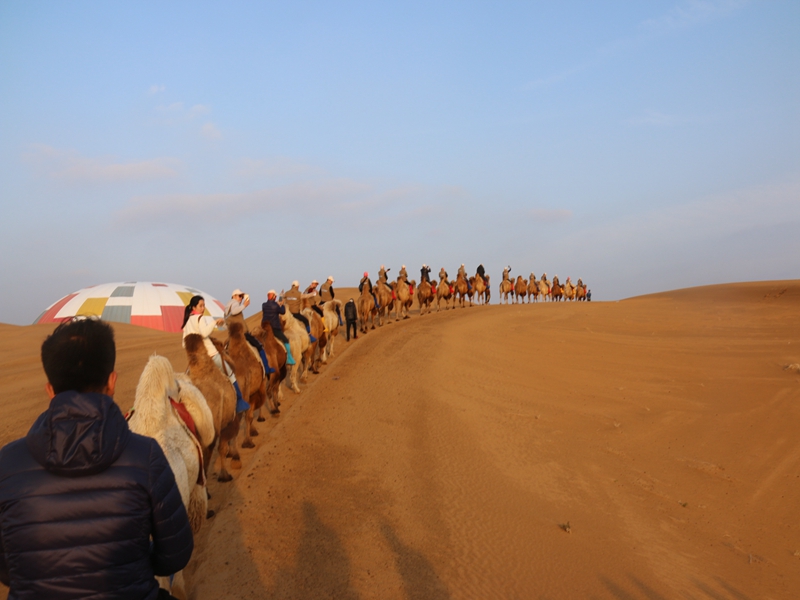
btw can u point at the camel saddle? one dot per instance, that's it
(186, 418)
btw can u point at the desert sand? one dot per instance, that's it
(646, 448)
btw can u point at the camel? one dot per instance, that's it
(299, 344)
(276, 357)
(461, 288)
(444, 291)
(569, 290)
(488, 292)
(556, 291)
(544, 287)
(506, 288)
(319, 331)
(403, 293)
(221, 399)
(367, 310)
(580, 291)
(155, 415)
(424, 297)
(520, 289)
(385, 296)
(479, 286)
(533, 289)
(331, 320)
(250, 373)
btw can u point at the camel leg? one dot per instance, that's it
(223, 476)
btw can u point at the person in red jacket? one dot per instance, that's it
(87, 507)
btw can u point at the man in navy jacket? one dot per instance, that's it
(87, 507)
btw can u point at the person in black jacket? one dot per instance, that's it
(87, 507)
(351, 316)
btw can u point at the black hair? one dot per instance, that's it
(187, 312)
(79, 355)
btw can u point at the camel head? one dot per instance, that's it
(194, 344)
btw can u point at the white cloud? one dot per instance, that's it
(155, 89)
(274, 168)
(339, 197)
(550, 215)
(69, 165)
(693, 12)
(210, 131)
(197, 110)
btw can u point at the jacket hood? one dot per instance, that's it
(80, 434)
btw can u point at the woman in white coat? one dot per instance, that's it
(195, 322)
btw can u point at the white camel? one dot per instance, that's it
(331, 319)
(299, 342)
(154, 415)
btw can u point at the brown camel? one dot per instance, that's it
(367, 311)
(384, 294)
(250, 374)
(402, 298)
(461, 288)
(556, 292)
(479, 286)
(533, 289)
(520, 289)
(276, 357)
(506, 288)
(580, 291)
(444, 291)
(424, 297)
(221, 398)
(318, 330)
(569, 290)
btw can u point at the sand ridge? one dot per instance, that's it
(442, 457)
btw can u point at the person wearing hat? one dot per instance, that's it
(425, 273)
(239, 301)
(310, 297)
(271, 310)
(382, 277)
(326, 294)
(403, 274)
(366, 281)
(462, 272)
(294, 302)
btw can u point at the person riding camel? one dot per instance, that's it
(310, 297)
(239, 301)
(326, 294)
(462, 272)
(366, 281)
(270, 317)
(482, 272)
(382, 277)
(506, 271)
(425, 273)
(195, 321)
(294, 302)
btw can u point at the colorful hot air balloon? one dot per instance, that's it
(154, 305)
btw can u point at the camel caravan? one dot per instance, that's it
(534, 290)
(230, 386)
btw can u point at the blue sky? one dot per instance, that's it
(640, 146)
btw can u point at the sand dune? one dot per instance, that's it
(645, 448)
